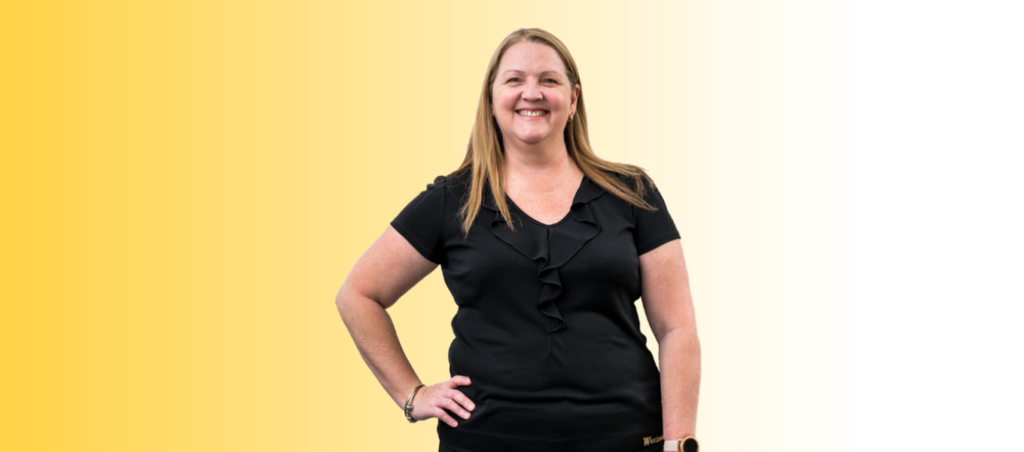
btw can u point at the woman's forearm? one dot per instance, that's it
(374, 334)
(679, 358)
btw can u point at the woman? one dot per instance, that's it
(545, 248)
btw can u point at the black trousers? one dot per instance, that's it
(442, 448)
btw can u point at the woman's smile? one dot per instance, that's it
(532, 114)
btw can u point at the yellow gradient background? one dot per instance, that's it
(186, 184)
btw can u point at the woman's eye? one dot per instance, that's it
(517, 79)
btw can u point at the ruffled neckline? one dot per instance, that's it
(551, 246)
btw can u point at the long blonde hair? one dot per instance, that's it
(484, 154)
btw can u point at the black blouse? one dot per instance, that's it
(546, 329)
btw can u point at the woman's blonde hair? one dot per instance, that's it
(484, 154)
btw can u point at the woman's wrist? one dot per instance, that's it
(408, 403)
(684, 444)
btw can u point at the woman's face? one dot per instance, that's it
(531, 96)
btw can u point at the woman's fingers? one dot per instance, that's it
(458, 396)
(425, 402)
(454, 408)
(459, 403)
(444, 417)
(458, 380)
(433, 400)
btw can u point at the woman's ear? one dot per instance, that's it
(575, 97)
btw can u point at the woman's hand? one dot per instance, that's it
(430, 401)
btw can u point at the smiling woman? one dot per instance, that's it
(545, 248)
(532, 95)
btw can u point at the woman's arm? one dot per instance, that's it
(385, 272)
(669, 307)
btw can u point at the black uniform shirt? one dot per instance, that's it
(546, 327)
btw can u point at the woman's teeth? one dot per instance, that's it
(531, 113)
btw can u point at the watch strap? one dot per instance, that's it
(687, 444)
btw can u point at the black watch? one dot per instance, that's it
(688, 444)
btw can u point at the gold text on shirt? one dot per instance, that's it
(653, 439)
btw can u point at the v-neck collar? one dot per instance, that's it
(586, 192)
(551, 246)
(512, 203)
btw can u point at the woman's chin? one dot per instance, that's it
(532, 138)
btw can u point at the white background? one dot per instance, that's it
(938, 130)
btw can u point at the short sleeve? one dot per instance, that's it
(421, 222)
(653, 228)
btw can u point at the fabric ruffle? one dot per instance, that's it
(550, 246)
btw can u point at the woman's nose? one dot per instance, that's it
(531, 93)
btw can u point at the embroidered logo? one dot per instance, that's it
(653, 439)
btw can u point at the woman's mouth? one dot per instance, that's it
(532, 112)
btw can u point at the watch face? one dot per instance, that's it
(690, 445)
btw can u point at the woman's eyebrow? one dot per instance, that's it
(517, 71)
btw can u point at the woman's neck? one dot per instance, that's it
(539, 169)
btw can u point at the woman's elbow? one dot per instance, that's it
(345, 300)
(687, 337)
(349, 300)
